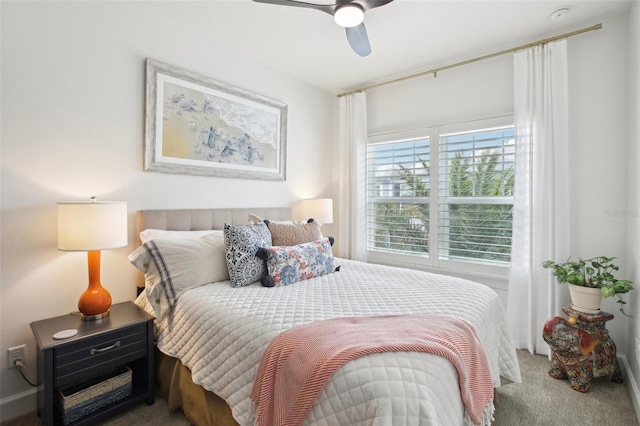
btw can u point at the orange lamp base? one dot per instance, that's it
(95, 302)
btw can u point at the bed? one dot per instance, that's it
(211, 341)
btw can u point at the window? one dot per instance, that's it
(461, 213)
(398, 200)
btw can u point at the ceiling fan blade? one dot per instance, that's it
(327, 8)
(370, 4)
(358, 39)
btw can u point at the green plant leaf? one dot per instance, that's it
(596, 272)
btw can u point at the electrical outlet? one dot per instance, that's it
(16, 353)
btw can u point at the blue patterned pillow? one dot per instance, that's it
(287, 265)
(242, 242)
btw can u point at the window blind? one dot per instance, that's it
(398, 196)
(476, 176)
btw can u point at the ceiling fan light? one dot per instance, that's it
(349, 15)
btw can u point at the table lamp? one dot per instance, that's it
(92, 226)
(320, 209)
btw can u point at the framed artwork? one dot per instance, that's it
(197, 125)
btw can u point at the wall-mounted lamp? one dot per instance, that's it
(92, 226)
(320, 209)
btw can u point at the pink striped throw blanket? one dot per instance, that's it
(299, 362)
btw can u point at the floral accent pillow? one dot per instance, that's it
(242, 242)
(287, 265)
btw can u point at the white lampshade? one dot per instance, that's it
(320, 209)
(91, 225)
(349, 15)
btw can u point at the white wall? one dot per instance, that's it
(72, 127)
(632, 213)
(598, 70)
(598, 132)
(480, 90)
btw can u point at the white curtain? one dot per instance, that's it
(351, 200)
(541, 195)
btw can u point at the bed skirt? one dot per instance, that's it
(200, 406)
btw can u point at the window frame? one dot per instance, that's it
(431, 261)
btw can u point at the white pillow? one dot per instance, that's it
(173, 266)
(254, 218)
(156, 234)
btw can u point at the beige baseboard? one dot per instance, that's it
(17, 405)
(632, 385)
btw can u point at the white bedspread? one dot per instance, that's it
(220, 333)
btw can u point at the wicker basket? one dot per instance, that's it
(83, 398)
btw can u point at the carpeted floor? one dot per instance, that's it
(543, 401)
(142, 414)
(538, 401)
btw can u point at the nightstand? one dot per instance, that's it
(123, 340)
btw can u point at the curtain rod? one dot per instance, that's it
(435, 71)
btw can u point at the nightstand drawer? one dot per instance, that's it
(77, 360)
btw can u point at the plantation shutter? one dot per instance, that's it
(398, 196)
(475, 204)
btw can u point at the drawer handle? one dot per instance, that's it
(98, 351)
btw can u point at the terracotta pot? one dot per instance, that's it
(585, 299)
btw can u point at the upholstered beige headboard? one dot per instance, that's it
(202, 219)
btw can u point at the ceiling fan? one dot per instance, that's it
(347, 13)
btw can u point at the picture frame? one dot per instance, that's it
(196, 125)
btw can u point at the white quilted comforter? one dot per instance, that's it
(220, 333)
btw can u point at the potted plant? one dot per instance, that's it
(593, 275)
